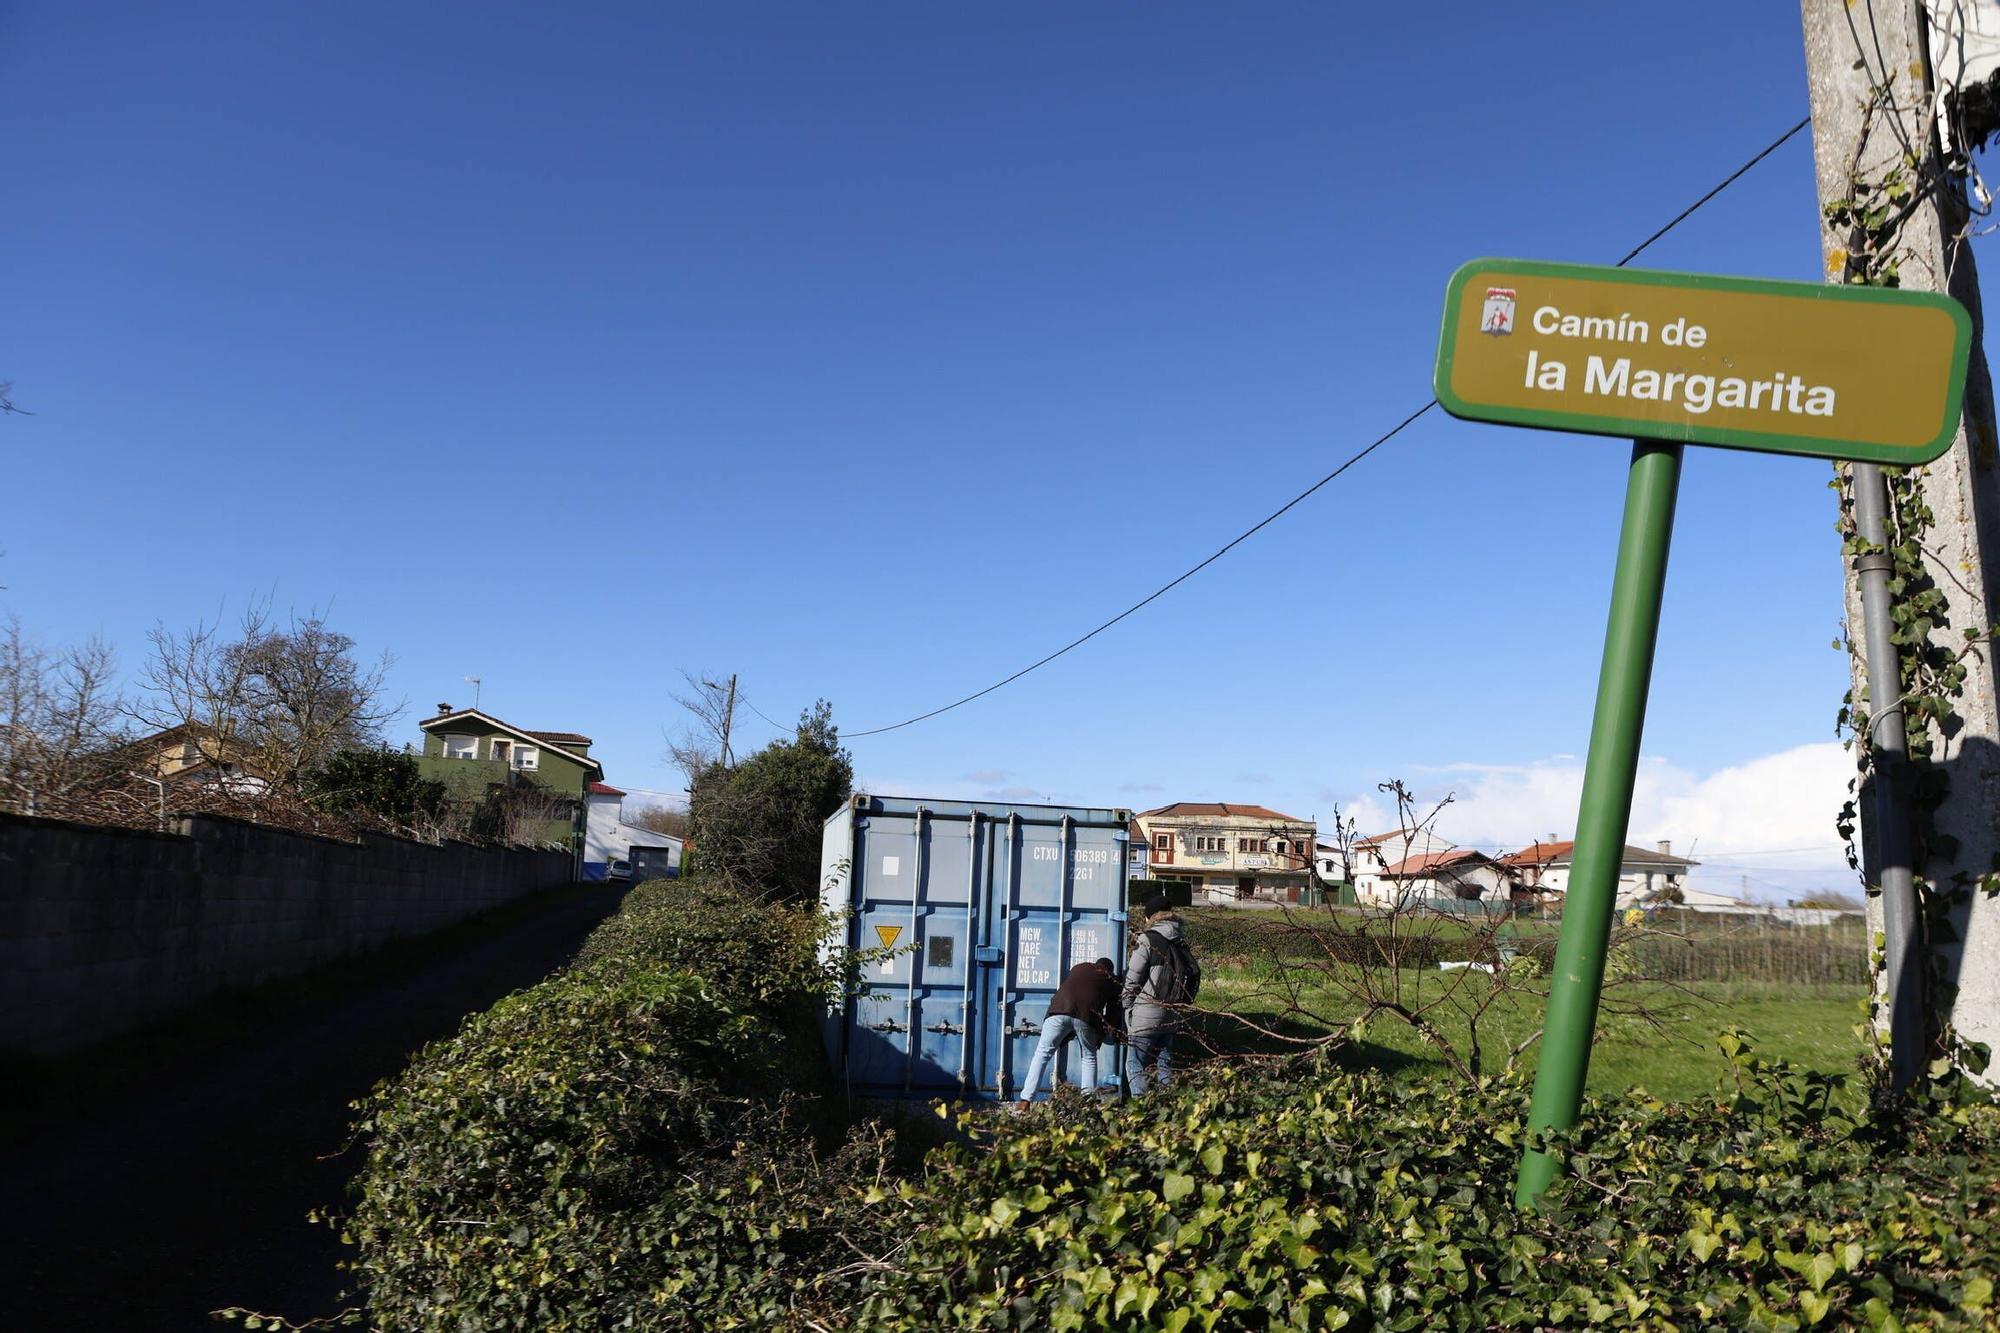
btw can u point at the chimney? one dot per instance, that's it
(1666, 847)
(444, 710)
(1554, 837)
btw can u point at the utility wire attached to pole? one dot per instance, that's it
(1309, 491)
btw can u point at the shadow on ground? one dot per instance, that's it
(190, 1193)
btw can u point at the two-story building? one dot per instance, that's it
(1231, 853)
(474, 754)
(1381, 860)
(1462, 873)
(192, 754)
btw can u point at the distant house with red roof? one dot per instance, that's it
(1644, 876)
(1229, 852)
(1374, 856)
(1459, 872)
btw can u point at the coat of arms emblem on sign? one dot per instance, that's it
(1498, 315)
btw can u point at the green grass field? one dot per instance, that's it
(1673, 1056)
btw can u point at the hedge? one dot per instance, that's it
(1179, 892)
(1325, 1199)
(621, 1146)
(769, 955)
(625, 1147)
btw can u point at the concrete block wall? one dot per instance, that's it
(103, 930)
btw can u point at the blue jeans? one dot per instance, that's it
(1149, 1049)
(1056, 1030)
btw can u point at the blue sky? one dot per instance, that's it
(872, 351)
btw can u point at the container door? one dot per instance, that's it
(1030, 929)
(906, 1032)
(944, 960)
(1097, 874)
(1057, 900)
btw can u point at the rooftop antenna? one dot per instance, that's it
(473, 681)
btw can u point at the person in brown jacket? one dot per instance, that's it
(1085, 1007)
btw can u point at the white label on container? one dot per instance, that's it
(1031, 969)
(891, 865)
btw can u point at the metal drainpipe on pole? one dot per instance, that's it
(1890, 751)
(1873, 87)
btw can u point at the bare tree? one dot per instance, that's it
(1461, 977)
(703, 742)
(661, 819)
(59, 716)
(273, 700)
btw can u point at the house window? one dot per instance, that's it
(527, 757)
(501, 749)
(1163, 841)
(1205, 843)
(460, 747)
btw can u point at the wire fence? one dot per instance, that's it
(1671, 946)
(1753, 949)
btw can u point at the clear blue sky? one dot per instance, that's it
(870, 351)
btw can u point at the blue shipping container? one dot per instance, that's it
(987, 906)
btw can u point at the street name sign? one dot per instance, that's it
(1869, 374)
(1866, 374)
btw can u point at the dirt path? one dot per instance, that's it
(192, 1197)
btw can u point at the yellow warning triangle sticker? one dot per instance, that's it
(888, 935)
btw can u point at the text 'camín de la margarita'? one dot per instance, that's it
(1697, 392)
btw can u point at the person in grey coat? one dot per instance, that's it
(1151, 1018)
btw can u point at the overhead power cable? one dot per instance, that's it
(779, 727)
(1286, 507)
(1721, 185)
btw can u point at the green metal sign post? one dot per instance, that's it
(1609, 772)
(1674, 359)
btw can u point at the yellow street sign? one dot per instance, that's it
(1865, 373)
(888, 935)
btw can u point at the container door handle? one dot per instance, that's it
(944, 1027)
(1024, 1028)
(888, 1025)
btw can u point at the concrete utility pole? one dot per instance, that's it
(728, 718)
(1869, 70)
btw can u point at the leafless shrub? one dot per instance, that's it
(60, 717)
(1451, 969)
(271, 700)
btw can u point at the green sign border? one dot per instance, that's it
(1859, 451)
